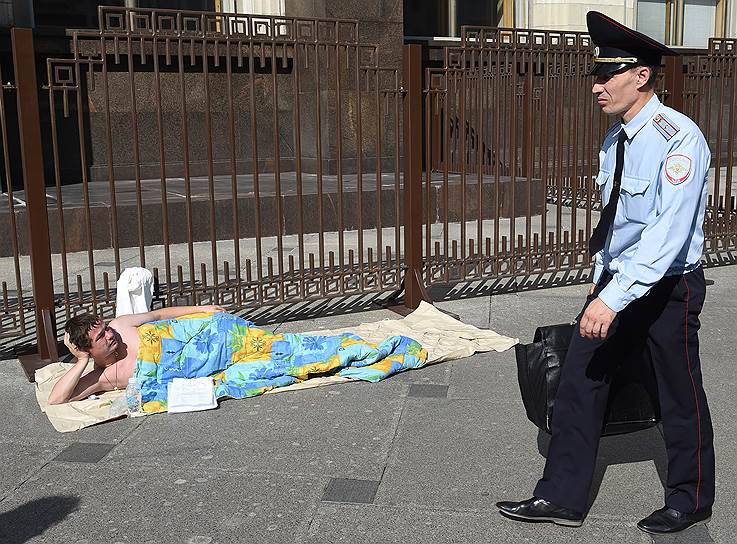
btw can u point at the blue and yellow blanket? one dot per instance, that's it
(246, 361)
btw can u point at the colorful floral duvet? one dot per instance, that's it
(245, 361)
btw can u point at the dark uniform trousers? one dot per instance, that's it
(663, 326)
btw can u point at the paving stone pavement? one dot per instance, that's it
(421, 457)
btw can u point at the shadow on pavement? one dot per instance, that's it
(635, 447)
(646, 445)
(33, 518)
(694, 535)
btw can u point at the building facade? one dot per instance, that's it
(687, 23)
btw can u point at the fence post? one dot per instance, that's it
(29, 127)
(673, 79)
(414, 287)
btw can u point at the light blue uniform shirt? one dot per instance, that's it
(658, 228)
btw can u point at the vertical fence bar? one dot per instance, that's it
(59, 195)
(429, 161)
(33, 178)
(732, 106)
(186, 166)
(109, 155)
(339, 166)
(206, 45)
(545, 154)
(252, 90)
(464, 132)
(13, 226)
(318, 169)
(379, 247)
(136, 147)
(277, 172)
(233, 167)
(162, 166)
(397, 140)
(85, 188)
(359, 161)
(298, 167)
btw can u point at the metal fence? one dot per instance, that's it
(512, 145)
(13, 311)
(708, 94)
(512, 128)
(253, 160)
(247, 160)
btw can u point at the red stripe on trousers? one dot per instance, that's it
(695, 396)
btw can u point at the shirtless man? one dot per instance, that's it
(113, 347)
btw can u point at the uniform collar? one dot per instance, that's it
(642, 117)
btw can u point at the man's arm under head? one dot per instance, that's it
(73, 385)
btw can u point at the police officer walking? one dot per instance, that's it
(647, 295)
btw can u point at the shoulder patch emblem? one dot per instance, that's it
(665, 126)
(677, 168)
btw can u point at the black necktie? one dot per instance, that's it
(599, 236)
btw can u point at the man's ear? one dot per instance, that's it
(643, 76)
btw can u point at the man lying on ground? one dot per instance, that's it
(113, 347)
(242, 359)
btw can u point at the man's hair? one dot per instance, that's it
(79, 327)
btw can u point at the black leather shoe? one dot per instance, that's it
(536, 509)
(666, 520)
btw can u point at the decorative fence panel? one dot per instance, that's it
(252, 160)
(256, 159)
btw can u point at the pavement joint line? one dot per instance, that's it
(301, 536)
(31, 473)
(415, 506)
(390, 449)
(451, 367)
(141, 464)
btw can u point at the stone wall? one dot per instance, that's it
(380, 23)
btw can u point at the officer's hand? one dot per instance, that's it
(596, 320)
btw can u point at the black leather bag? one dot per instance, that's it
(633, 402)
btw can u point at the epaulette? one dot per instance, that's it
(665, 126)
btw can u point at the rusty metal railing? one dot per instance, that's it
(710, 99)
(32, 268)
(257, 159)
(13, 313)
(512, 149)
(514, 189)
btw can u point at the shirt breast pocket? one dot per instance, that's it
(634, 198)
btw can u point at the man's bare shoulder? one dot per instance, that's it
(130, 321)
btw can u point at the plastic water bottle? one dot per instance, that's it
(133, 396)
